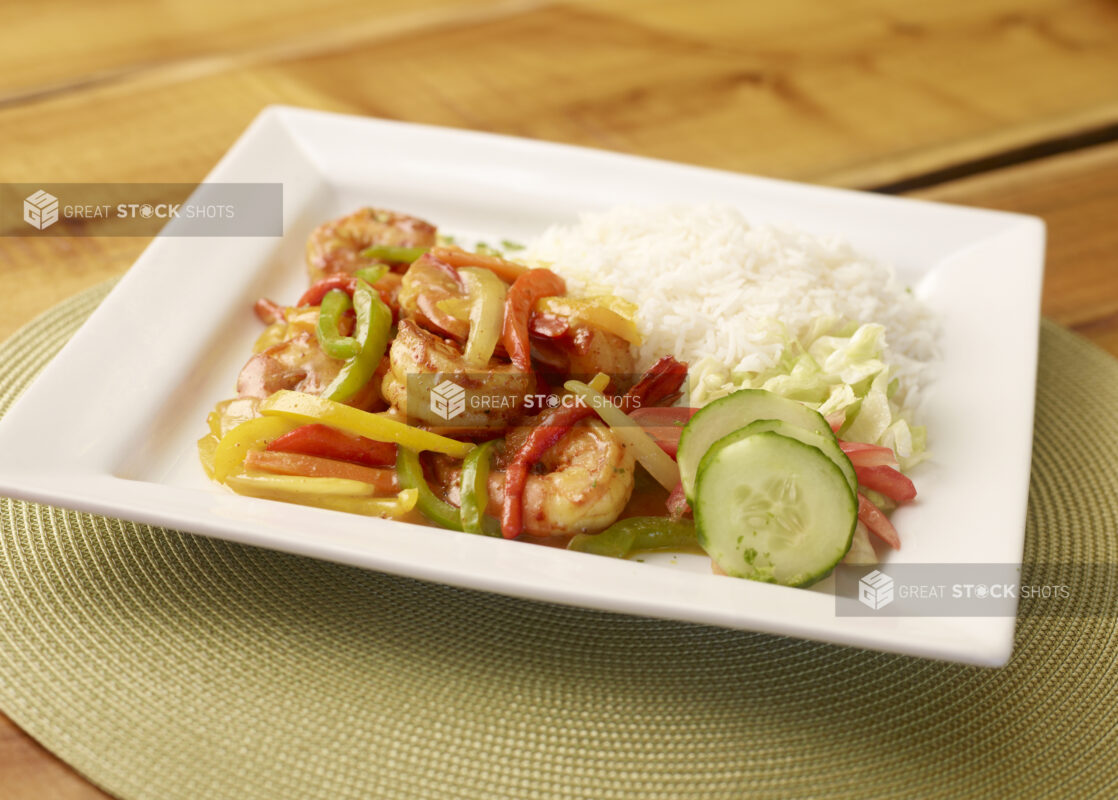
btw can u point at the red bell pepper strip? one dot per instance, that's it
(319, 289)
(508, 271)
(549, 326)
(522, 295)
(662, 380)
(317, 467)
(888, 481)
(664, 425)
(268, 311)
(321, 440)
(539, 441)
(658, 386)
(347, 283)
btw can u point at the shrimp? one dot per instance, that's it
(297, 363)
(584, 350)
(420, 361)
(587, 480)
(336, 246)
(433, 278)
(289, 357)
(427, 282)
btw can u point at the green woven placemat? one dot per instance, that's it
(165, 665)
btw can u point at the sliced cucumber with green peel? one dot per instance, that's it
(732, 413)
(828, 444)
(769, 507)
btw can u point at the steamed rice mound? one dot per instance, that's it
(727, 296)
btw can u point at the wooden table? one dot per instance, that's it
(1008, 104)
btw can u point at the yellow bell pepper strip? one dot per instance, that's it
(659, 464)
(390, 507)
(393, 255)
(599, 382)
(301, 407)
(301, 485)
(207, 446)
(374, 328)
(255, 434)
(228, 414)
(487, 313)
(636, 534)
(591, 311)
(332, 493)
(410, 474)
(475, 492)
(334, 305)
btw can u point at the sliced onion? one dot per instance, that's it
(658, 463)
(487, 314)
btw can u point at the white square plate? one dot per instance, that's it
(111, 424)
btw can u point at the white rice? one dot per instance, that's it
(715, 291)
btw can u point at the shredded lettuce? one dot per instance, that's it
(841, 372)
(861, 552)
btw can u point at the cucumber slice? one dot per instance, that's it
(731, 413)
(771, 508)
(827, 444)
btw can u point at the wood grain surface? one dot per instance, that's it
(1009, 104)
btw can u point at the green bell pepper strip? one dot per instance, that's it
(410, 474)
(397, 255)
(372, 274)
(374, 326)
(334, 304)
(475, 492)
(637, 533)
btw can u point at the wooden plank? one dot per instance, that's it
(876, 91)
(59, 45)
(850, 93)
(29, 771)
(1077, 195)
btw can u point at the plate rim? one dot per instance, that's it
(98, 492)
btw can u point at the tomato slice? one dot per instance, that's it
(677, 503)
(878, 524)
(868, 455)
(888, 481)
(664, 425)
